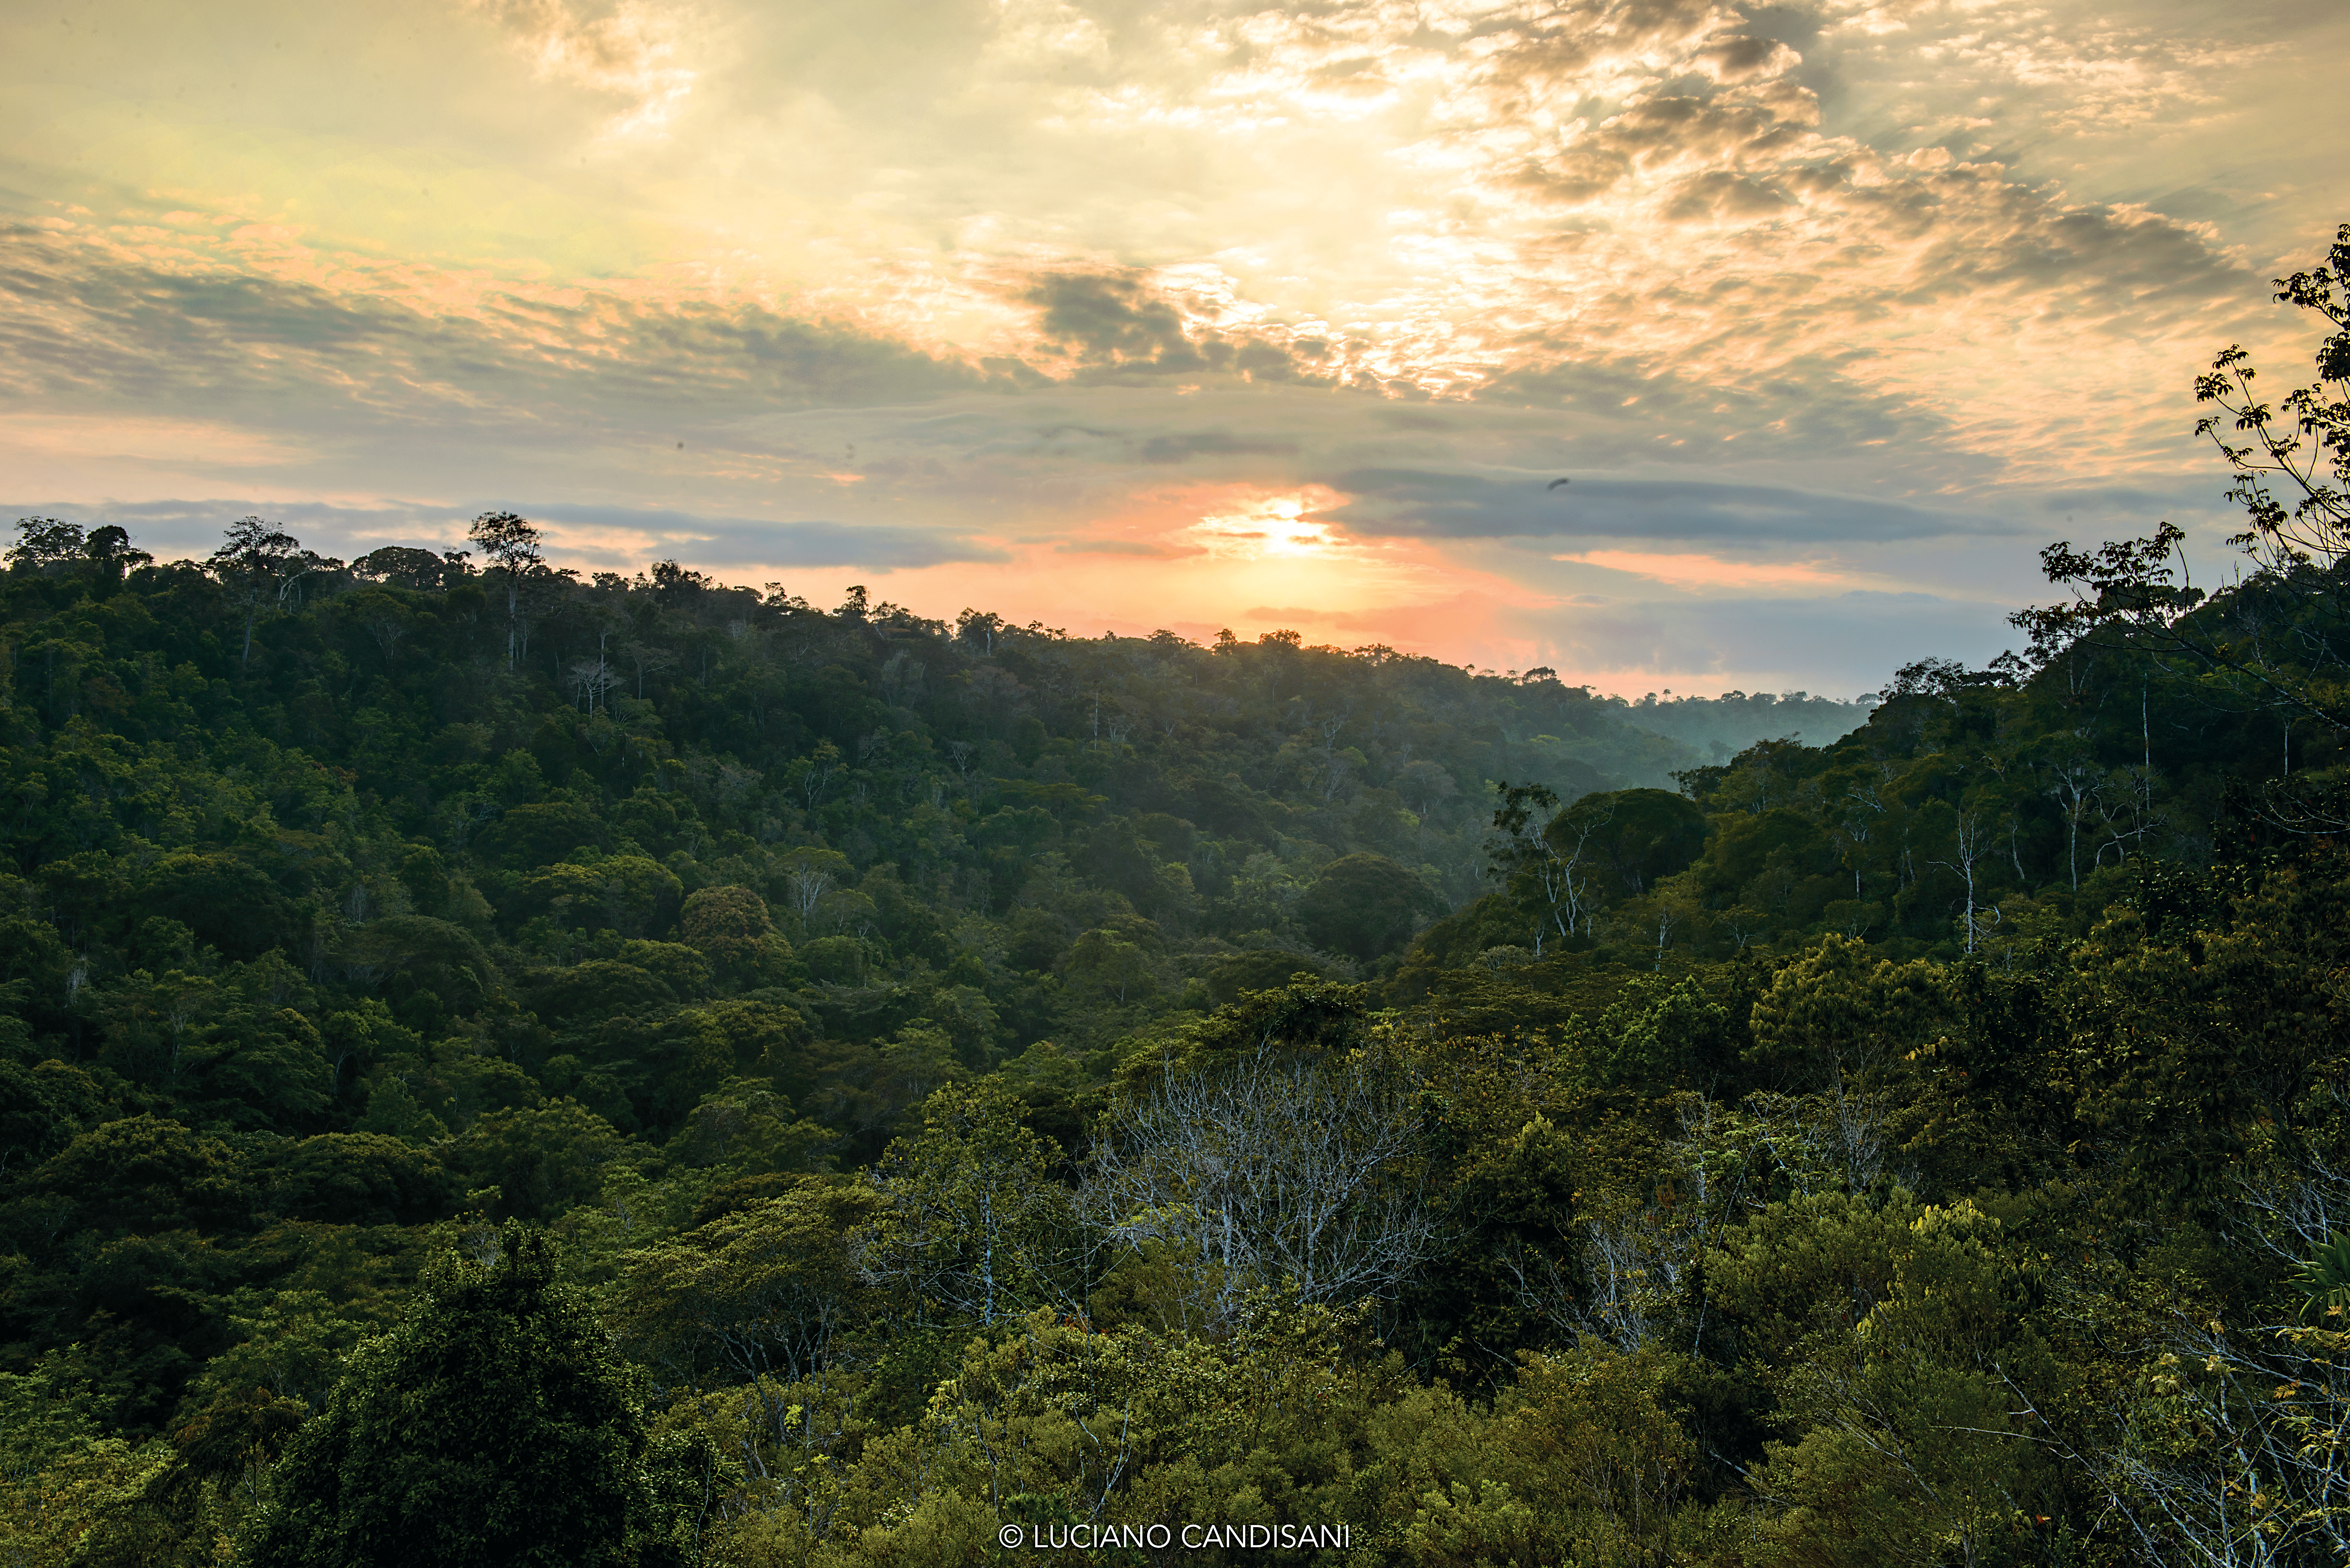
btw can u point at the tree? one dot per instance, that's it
(495, 1426)
(42, 1109)
(359, 1179)
(223, 900)
(1284, 1174)
(47, 545)
(2275, 640)
(1544, 857)
(144, 1174)
(730, 927)
(544, 1159)
(253, 563)
(113, 555)
(1105, 962)
(51, 547)
(405, 566)
(762, 1292)
(970, 1210)
(2235, 1448)
(1643, 836)
(512, 545)
(1365, 905)
(1897, 1336)
(1840, 1009)
(2307, 452)
(633, 894)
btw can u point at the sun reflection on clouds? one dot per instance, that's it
(1262, 527)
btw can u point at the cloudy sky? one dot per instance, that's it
(1124, 314)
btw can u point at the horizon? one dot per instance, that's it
(1121, 317)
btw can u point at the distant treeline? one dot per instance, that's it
(1718, 727)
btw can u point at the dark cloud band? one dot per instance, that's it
(1399, 501)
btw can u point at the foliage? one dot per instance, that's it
(495, 1426)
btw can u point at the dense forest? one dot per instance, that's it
(504, 1067)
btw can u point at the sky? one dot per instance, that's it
(1118, 315)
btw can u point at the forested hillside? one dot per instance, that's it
(648, 1071)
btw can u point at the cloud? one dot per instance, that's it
(1122, 547)
(734, 541)
(1741, 59)
(631, 51)
(144, 438)
(299, 333)
(1112, 320)
(1186, 447)
(1461, 505)
(1110, 327)
(1688, 569)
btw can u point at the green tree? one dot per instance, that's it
(145, 1174)
(1840, 1009)
(359, 1179)
(764, 1292)
(543, 1159)
(972, 1216)
(1365, 905)
(2275, 643)
(494, 1428)
(630, 894)
(1900, 1341)
(2305, 453)
(46, 546)
(42, 1109)
(731, 927)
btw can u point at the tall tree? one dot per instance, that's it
(253, 563)
(2300, 447)
(512, 545)
(46, 545)
(2275, 642)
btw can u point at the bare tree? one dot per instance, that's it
(2124, 795)
(1284, 1175)
(2072, 782)
(2233, 1454)
(648, 660)
(808, 885)
(1540, 856)
(591, 680)
(1975, 840)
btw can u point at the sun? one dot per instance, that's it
(1265, 527)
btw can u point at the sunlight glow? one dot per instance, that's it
(1270, 526)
